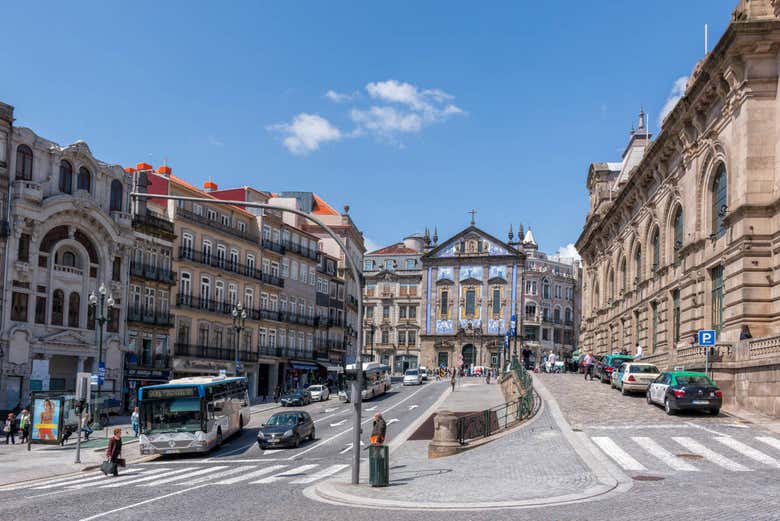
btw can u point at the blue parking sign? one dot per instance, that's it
(707, 337)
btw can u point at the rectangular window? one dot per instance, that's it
(285, 268)
(496, 301)
(197, 209)
(40, 310)
(19, 306)
(385, 336)
(368, 265)
(369, 312)
(294, 270)
(676, 315)
(370, 290)
(212, 215)
(545, 334)
(304, 273)
(275, 269)
(226, 221)
(471, 302)
(410, 264)
(312, 276)
(401, 338)
(445, 304)
(411, 338)
(386, 312)
(401, 311)
(716, 274)
(24, 248)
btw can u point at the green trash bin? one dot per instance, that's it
(378, 465)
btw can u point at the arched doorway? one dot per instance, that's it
(469, 355)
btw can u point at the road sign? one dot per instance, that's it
(101, 373)
(707, 337)
(513, 325)
(93, 379)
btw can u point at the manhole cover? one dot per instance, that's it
(648, 478)
(575, 429)
(690, 456)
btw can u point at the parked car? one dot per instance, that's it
(286, 429)
(424, 373)
(319, 392)
(633, 376)
(296, 398)
(412, 377)
(685, 390)
(608, 363)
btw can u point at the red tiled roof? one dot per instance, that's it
(321, 207)
(393, 249)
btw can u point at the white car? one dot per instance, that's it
(319, 392)
(424, 373)
(633, 376)
(412, 377)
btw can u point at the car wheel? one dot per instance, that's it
(219, 437)
(311, 436)
(623, 390)
(649, 400)
(668, 407)
(714, 412)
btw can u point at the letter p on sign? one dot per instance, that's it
(707, 337)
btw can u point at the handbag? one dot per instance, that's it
(107, 467)
(7, 428)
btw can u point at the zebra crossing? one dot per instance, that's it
(686, 454)
(148, 476)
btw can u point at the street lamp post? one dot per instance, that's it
(239, 323)
(101, 307)
(372, 328)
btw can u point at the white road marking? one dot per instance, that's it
(342, 422)
(413, 407)
(287, 474)
(46, 482)
(183, 476)
(218, 475)
(662, 454)
(231, 452)
(324, 473)
(122, 480)
(747, 450)
(74, 483)
(252, 475)
(266, 452)
(621, 457)
(332, 409)
(369, 409)
(392, 420)
(701, 427)
(134, 505)
(347, 448)
(772, 442)
(326, 417)
(327, 440)
(148, 478)
(718, 459)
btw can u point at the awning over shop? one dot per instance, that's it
(306, 366)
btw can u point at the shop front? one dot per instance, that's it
(301, 374)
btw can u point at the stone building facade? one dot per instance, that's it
(682, 233)
(71, 233)
(392, 300)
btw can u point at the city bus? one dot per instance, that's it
(192, 414)
(376, 380)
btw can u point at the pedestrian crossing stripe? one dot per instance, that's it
(152, 476)
(629, 458)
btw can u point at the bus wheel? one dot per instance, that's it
(240, 422)
(219, 436)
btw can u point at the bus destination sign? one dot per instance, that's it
(171, 392)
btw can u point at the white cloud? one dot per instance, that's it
(678, 90)
(568, 252)
(306, 132)
(387, 120)
(338, 97)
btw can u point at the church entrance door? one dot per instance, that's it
(469, 355)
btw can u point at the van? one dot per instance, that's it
(424, 373)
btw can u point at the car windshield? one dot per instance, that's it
(411, 372)
(283, 419)
(294, 395)
(647, 369)
(315, 388)
(171, 415)
(617, 362)
(694, 380)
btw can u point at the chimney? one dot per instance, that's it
(165, 171)
(210, 186)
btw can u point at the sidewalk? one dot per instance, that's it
(541, 462)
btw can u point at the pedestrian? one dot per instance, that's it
(9, 428)
(551, 358)
(277, 393)
(379, 430)
(85, 428)
(745, 333)
(24, 425)
(587, 364)
(639, 352)
(452, 381)
(135, 420)
(526, 358)
(114, 451)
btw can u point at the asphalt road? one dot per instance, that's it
(239, 477)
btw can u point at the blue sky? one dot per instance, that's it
(435, 107)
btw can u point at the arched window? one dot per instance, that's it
(84, 180)
(656, 242)
(678, 229)
(66, 177)
(24, 162)
(611, 284)
(74, 301)
(638, 263)
(69, 259)
(116, 196)
(545, 289)
(623, 274)
(567, 316)
(557, 315)
(57, 307)
(719, 206)
(596, 296)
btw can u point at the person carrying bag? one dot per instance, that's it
(113, 454)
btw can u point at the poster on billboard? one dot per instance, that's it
(47, 419)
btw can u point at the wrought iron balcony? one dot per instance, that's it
(149, 272)
(213, 352)
(149, 316)
(249, 234)
(276, 246)
(223, 263)
(153, 220)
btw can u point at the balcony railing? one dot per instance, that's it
(226, 264)
(213, 352)
(249, 234)
(226, 308)
(153, 220)
(159, 362)
(149, 316)
(329, 322)
(328, 344)
(276, 246)
(300, 250)
(149, 272)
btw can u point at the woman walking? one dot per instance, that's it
(24, 425)
(114, 451)
(9, 428)
(135, 420)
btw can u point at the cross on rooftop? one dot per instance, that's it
(473, 213)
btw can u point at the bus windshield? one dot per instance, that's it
(172, 415)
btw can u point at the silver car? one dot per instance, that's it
(319, 393)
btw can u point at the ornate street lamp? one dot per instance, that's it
(239, 324)
(372, 328)
(101, 307)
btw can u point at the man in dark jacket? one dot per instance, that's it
(379, 431)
